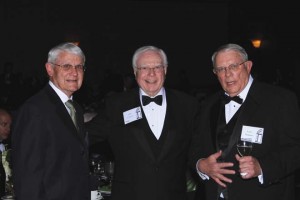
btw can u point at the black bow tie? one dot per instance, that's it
(146, 100)
(226, 99)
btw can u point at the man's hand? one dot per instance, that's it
(249, 166)
(216, 170)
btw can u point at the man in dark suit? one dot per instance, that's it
(49, 148)
(150, 140)
(266, 115)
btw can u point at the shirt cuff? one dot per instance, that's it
(202, 175)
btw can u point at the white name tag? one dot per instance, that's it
(132, 115)
(252, 134)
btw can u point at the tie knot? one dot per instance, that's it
(70, 104)
(146, 100)
(226, 99)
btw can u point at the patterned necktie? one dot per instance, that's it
(70, 105)
(146, 100)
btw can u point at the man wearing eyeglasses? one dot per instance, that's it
(152, 131)
(249, 110)
(49, 148)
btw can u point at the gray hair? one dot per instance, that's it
(230, 47)
(143, 49)
(65, 47)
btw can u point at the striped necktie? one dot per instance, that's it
(70, 105)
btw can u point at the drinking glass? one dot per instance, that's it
(109, 171)
(244, 148)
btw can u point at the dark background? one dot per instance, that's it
(110, 31)
(189, 31)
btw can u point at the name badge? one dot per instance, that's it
(252, 134)
(132, 115)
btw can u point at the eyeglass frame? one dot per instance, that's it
(156, 69)
(231, 67)
(67, 67)
(4, 124)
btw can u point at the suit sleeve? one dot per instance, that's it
(194, 153)
(284, 153)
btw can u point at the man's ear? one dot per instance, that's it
(49, 69)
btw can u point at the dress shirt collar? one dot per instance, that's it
(64, 98)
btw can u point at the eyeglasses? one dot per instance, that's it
(156, 69)
(232, 68)
(67, 67)
(4, 124)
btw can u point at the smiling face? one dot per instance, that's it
(233, 81)
(68, 81)
(151, 81)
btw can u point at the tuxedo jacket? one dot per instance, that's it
(276, 111)
(50, 157)
(139, 173)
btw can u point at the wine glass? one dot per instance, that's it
(244, 148)
(109, 171)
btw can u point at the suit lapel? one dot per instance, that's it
(79, 116)
(143, 128)
(140, 127)
(172, 117)
(250, 106)
(170, 134)
(62, 112)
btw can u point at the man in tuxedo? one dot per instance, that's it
(247, 109)
(151, 130)
(49, 146)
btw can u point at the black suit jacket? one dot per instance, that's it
(50, 158)
(139, 174)
(274, 109)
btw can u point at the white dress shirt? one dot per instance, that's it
(232, 107)
(2, 147)
(155, 114)
(63, 97)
